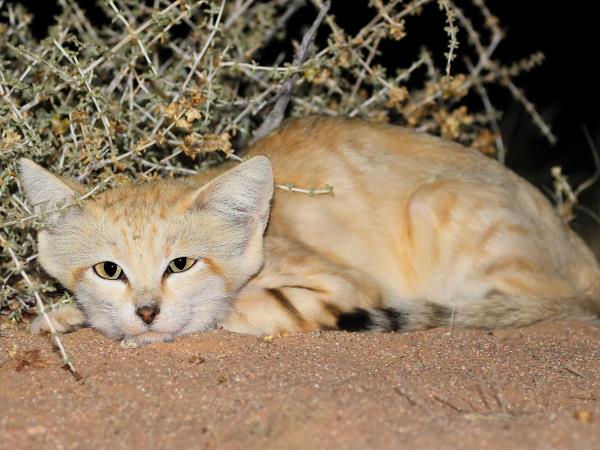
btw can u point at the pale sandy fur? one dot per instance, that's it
(427, 222)
(421, 232)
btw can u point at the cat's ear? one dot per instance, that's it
(44, 190)
(242, 193)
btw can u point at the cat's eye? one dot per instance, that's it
(180, 265)
(109, 271)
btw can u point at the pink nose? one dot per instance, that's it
(148, 313)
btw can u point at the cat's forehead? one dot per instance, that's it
(146, 192)
(144, 201)
(152, 215)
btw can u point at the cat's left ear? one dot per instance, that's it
(242, 193)
(44, 190)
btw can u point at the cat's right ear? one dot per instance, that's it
(241, 194)
(44, 190)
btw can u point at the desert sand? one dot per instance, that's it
(531, 388)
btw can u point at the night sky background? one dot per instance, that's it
(565, 88)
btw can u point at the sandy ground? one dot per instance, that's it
(536, 387)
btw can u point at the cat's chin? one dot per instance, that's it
(149, 337)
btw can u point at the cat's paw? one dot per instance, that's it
(142, 339)
(64, 319)
(129, 343)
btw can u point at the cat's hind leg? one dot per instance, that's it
(481, 258)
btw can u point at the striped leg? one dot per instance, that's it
(303, 292)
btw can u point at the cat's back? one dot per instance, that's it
(374, 169)
(310, 148)
(409, 191)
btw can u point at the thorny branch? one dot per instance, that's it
(67, 363)
(275, 117)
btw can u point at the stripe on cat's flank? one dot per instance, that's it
(288, 306)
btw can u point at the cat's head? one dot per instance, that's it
(151, 261)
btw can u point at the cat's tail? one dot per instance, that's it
(494, 311)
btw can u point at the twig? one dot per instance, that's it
(293, 6)
(38, 59)
(289, 70)
(155, 166)
(380, 95)
(129, 37)
(312, 192)
(574, 372)
(530, 108)
(66, 360)
(237, 13)
(596, 176)
(275, 117)
(363, 72)
(584, 209)
(191, 73)
(405, 396)
(482, 395)
(5, 94)
(491, 114)
(452, 31)
(447, 403)
(104, 120)
(80, 16)
(499, 398)
(129, 31)
(200, 55)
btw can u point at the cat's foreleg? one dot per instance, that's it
(64, 320)
(301, 305)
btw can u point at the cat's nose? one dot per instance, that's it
(148, 313)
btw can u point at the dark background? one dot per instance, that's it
(565, 88)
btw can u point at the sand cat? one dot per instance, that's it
(420, 233)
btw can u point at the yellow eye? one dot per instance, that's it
(180, 265)
(109, 271)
